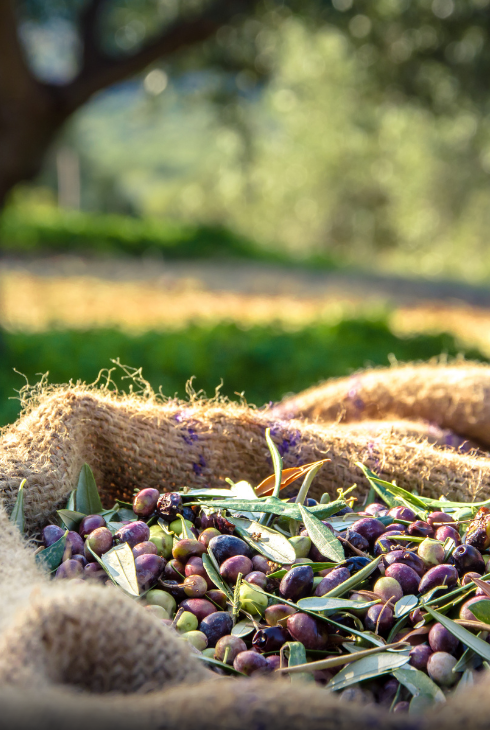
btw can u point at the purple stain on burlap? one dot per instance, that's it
(199, 467)
(190, 434)
(290, 438)
(354, 397)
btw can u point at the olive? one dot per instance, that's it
(156, 597)
(187, 547)
(194, 566)
(93, 571)
(383, 545)
(162, 541)
(439, 575)
(440, 668)
(216, 625)
(375, 508)
(174, 570)
(402, 513)
(145, 502)
(148, 569)
(305, 629)
(440, 639)
(309, 502)
(431, 552)
(252, 600)
(356, 563)
(227, 546)
(388, 589)
(467, 579)
(387, 693)
(419, 656)
(70, 569)
(406, 557)
(74, 543)
(207, 521)
(436, 518)
(206, 535)
(316, 556)
(260, 563)
(157, 611)
(297, 583)
(90, 523)
(81, 559)
(257, 578)
(357, 540)
(465, 610)
(145, 548)
(197, 639)
(369, 528)
(301, 545)
(420, 529)
(51, 534)
(274, 662)
(169, 505)
(195, 586)
(218, 597)
(133, 533)
(277, 611)
(379, 618)
(479, 591)
(270, 639)
(406, 576)
(200, 607)
(188, 514)
(100, 541)
(395, 527)
(175, 589)
(446, 531)
(335, 578)
(229, 647)
(232, 567)
(186, 621)
(467, 557)
(344, 511)
(250, 662)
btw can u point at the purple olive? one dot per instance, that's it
(467, 579)
(440, 639)
(369, 528)
(195, 586)
(446, 531)
(402, 513)
(439, 575)
(305, 629)
(384, 544)
(387, 692)
(440, 668)
(375, 508)
(184, 549)
(174, 570)
(51, 534)
(229, 646)
(270, 639)
(100, 541)
(276, 612)
(274, 662)
(207, 535)
(379, 618)
(257, 579)
(169, 505)
(148, 569)
(405, 575)
(435, 519)
(479, 591)
(93, 571)
(133, 533)
(145, 502)
(420, 529)
(419, 656)
(200, 607)
(227, 546)
(332, 580)
(69, 569)
(357, 540)
(195, 566)
(230, 568)
(260, 563)
(466, 558)
(90, 523)
(74, 543)
(250, 662)
(216, 625)
(406, 557)
(396, 527)
(297, 583)
(145, 548)
(465, 611)
(80, 559)
(218, 597)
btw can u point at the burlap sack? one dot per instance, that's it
(81, 656)
(455, 397)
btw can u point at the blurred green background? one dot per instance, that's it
(336, 135)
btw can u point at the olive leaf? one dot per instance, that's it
(270, 543)
(481, 610)
(295, 654)
(367, 668)
(70, 505)
(316, 567)
(242, 628)
(405, 605)
(274, 506)
(186, 530)
(466, 637)
(214, 575)
(315, 603)
(51, 558)
(354, 580)
(418, 683)
(70, 518)
(468, 660)
(390, 493)
(216, 663)
(322, 536)
(356, 653)
(288, 477)
(87, 497)
(119, 564)
(17, 514)
(276, 461)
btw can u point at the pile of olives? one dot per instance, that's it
(177, 588)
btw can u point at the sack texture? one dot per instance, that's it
(75, 655)
(455, 397)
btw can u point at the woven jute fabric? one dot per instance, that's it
(455, 397)
(78, 655)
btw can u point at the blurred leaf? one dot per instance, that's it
(466, 637)
(216, 663)
(87, 496)
(418, 683)
(17, 514)
(322, 536)
(270, 543)
(51, 558)
(367, 668)
(295, 653)
(119, 564)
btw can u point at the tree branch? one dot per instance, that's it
(89, 26)
(16, 80)
(102, 71)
